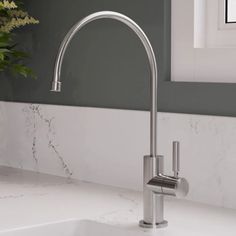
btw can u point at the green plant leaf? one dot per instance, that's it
(19, 54)
(23, 70)
(11, 59)
(4, 50)
(2, 56)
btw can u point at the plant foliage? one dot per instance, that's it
(12, 16)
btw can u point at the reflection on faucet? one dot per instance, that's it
(156, 184)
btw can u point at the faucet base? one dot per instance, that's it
(143, 224)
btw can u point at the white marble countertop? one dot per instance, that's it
(28, 198)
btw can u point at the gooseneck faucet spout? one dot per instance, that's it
(154, 180)
(56, 86)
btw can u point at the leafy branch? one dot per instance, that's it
(12, 16)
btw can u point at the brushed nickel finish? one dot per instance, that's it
(156, 185)
(176, 158)
(149, 50)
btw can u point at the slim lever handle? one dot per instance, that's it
(176, 159)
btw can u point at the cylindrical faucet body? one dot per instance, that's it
(153, 204)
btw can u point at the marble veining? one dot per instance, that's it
(32, 199)
(34, 118)
(11, 196)
(107, 146)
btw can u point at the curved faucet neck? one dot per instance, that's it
(56, 85)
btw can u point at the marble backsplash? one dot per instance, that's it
(106, 146)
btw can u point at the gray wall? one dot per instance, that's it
(105, 66)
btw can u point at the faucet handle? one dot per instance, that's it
(176, 159)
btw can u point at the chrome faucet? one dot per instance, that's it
(155, 185)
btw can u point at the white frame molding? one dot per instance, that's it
(218, 33)
(221, 21)
(209, 57)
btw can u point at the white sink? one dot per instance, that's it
(71, 228)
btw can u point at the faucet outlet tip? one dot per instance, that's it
(56, 86)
